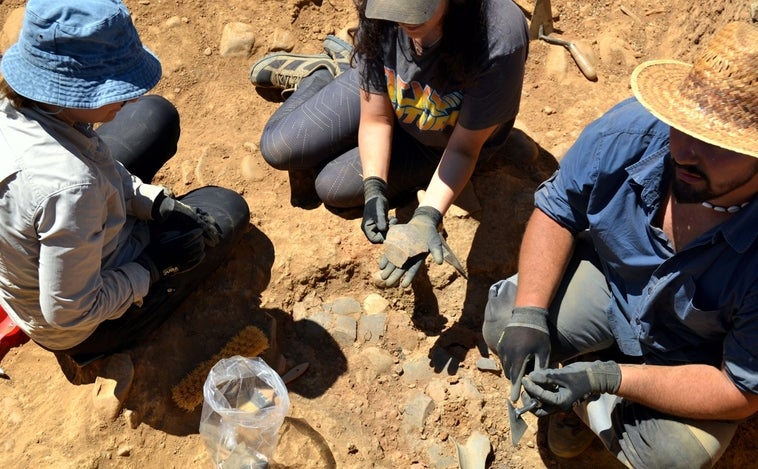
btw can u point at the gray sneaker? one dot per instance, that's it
(339, 50)
(284, 70)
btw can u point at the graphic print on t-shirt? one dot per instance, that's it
(422, 105)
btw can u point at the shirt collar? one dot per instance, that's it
(648, 174)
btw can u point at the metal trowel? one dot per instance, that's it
(518, 426)
(452, 259)
(541, 26)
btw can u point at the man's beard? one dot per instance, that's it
(689, 194)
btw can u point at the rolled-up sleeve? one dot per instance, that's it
(564, 196)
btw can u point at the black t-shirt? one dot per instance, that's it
(429, 108)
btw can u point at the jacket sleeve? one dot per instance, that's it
(75, 294)
(139, 195)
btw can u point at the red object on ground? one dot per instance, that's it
(10, 334)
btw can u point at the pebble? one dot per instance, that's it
(487, 364)
(132, 418)
(173, 22)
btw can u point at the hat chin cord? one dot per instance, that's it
(39, 108)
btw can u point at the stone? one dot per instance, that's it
(237, 40)
(112, 385)
(282, 40)
(437, 389)
(379, 361)
(346, 306)
(416, 409)
(487, 364)
(345, 330)
(372, 327)
(416, 371)
(375, 304)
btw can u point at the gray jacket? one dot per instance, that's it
(70, 227)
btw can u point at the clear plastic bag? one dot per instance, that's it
(245, 402)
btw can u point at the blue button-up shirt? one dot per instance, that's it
(696, 305)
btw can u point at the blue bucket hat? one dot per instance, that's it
(80, 54)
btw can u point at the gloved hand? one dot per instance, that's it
(180, 215)
(375, 209)
(173, 252)
(567, 386)
(424, 222)
(525, 338)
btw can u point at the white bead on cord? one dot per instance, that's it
(730, 209)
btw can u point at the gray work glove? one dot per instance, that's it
(172, 253)
(563, 388)
(424, 225)
(180, 215)
(375, 210)
(525, 339)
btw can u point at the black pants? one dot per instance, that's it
(143, 137)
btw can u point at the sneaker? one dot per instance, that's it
(567, 435)
(339, 50)
(284, 71)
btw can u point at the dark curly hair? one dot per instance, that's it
(464, 41)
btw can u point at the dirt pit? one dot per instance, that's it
(399, 398)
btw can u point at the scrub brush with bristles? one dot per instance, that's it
(249, 342)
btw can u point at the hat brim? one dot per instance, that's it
(656, 83)
(401, 11)
(50, 87)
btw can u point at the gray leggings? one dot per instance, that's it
(316, 130)
(638, 436)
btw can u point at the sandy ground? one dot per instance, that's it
(401, 398)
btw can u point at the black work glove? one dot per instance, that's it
(565, 387)
(180, 215)
(425, 222)
(173, 252)
(375, 209)
(525, 339)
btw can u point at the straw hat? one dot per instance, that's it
(80, 54)
(716, 99)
